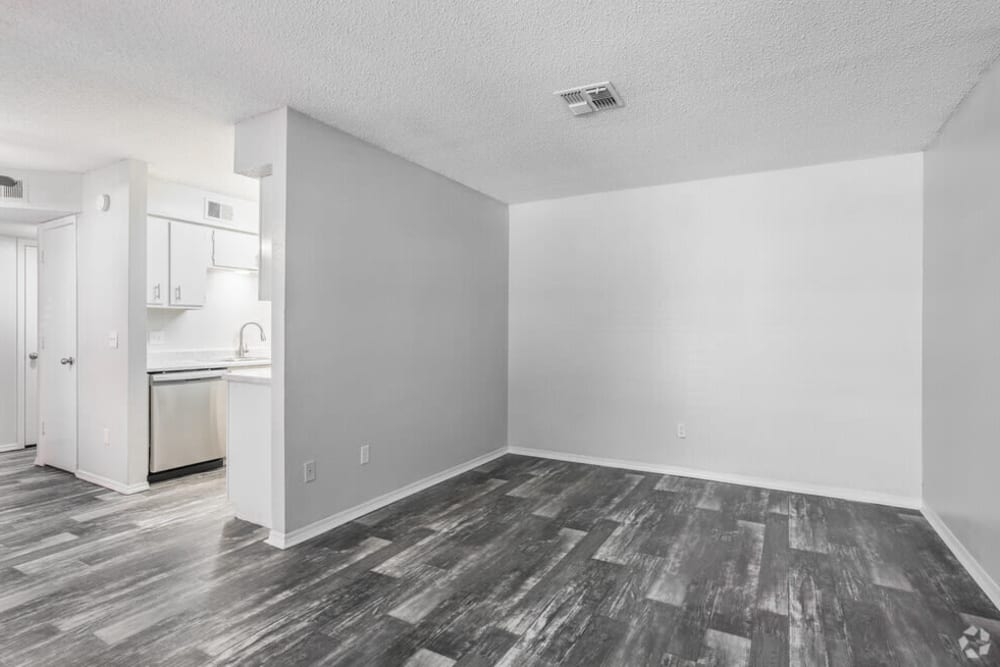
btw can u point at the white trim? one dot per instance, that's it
(41, 447)
(857, 495)
(22, 324)
(12, 447)
(968, 561)
(286, 540)
(100, 480)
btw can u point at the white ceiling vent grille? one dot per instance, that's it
(217, 211)
(588, 99)
(13, 192)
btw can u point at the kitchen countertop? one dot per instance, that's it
(250, 375)
(195, 360)
(202, 364)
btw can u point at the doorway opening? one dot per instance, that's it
(38, 334)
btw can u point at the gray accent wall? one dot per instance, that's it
(961, 402)
(395, 322)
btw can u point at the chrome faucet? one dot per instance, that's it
(243, 351)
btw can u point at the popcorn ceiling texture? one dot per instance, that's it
(464, 88)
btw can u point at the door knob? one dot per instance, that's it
(32, 355)
(67, 361)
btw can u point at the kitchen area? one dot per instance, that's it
(208, 353)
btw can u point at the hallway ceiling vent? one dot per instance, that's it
(11, 189)
(588, 99)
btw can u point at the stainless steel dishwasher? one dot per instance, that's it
(187, 418)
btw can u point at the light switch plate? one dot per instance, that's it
(113, 340)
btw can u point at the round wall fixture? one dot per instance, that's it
(103, 202)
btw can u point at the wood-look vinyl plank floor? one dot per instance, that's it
(521, 561)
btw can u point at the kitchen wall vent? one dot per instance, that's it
(217, 211)
(588, 99)
(13, 192)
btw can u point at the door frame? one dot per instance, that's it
(22, 350)
(69, 220)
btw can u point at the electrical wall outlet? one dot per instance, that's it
(309, 471)
(681, 430)
(365, 454)
(107, 436)
(157, 337)
(113, 340)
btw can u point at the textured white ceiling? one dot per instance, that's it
(464, 87)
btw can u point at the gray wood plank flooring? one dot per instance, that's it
(520, 562)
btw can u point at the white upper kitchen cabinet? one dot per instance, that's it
(190, 258)
(157, 261)
(235, 250)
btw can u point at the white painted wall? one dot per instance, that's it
(185, 202)
(961, 408)
(111, 269)
(55, 191)
(395, 321)
(777, 315)
(8, 341)
(24, 230)
(230, 300)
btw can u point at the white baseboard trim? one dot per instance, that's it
(968, 561)
(100, 480)
(300, 535)
(12, 447)
(856, 495)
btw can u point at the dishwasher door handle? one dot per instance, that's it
(185, 376)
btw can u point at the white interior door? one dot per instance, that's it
(31, 344)
(57, 356)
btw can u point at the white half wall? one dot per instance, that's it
(776, 315)
(261, 152)
(395, 322)
(961, 408)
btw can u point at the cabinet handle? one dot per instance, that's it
(177, 293)
(156, 292)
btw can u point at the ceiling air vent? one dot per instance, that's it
(217, 211)
(11, 189)
(588, 99)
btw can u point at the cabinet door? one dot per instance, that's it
(233, 250)
(157, 261)
(190, 254)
